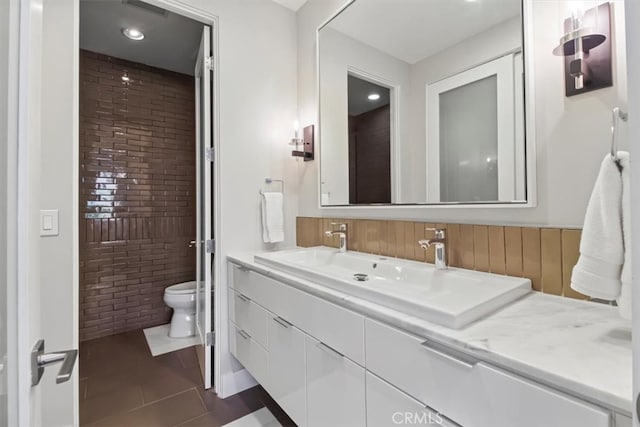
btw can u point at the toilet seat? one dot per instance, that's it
(181, 288)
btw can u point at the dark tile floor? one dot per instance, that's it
(122, 385)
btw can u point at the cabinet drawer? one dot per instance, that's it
(337, 327)
(249, 353)
(287, 376)
(387, 406)
(435, 378)
(335, 388)
(238, 277)
(469, 392)
(249, 316)
(510, 400)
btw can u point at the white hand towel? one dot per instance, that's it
(624, 300)
(602, 254)
(272, 217)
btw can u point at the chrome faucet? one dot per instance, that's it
(439, 242)
(342, 232)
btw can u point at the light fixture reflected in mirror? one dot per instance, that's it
(586, 46)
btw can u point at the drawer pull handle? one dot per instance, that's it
(457, 358)
(243, 298)
(243, 334)
(323, 346)
(242, 269)
(280, 321)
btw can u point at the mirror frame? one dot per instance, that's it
(530, 137)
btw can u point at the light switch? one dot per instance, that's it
(49, 222)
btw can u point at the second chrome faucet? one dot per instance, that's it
(438, 241)
(342, 232)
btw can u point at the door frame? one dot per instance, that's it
(206, 18)
(394, 134)
(17, 393)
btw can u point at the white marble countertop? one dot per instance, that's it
(580, 347)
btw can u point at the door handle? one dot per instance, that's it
(192, 244)
(40, 360)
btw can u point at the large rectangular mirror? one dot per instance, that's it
(423, 102)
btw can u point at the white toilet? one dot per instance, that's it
(182, 298)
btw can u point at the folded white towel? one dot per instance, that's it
(602, 246)
(624, 300)
(272, 217)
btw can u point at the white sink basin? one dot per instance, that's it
(453, 297)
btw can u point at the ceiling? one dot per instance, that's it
(359, 90)
(171, 41)
(411, 30)
(291, 4)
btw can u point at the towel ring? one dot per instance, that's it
(271, 181)
(617, 113)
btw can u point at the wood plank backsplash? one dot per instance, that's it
(544, 255)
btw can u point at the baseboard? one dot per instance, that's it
(235, 382)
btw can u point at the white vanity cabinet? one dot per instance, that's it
(335, 388)
(329, 366)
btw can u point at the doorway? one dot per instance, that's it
(145, 208)
(369, 123)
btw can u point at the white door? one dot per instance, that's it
(475, 162)
(204, 188)
(40, 279)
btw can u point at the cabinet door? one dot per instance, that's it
(287, 368)
(388, 406)
(335, 388)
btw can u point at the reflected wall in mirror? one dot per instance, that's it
(422, 102)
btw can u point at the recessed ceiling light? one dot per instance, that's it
(373, 97)
(132, 34)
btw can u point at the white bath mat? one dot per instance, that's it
(159, 342)
(260, 418)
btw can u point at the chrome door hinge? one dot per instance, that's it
(208, 63)
(211, 246)
(210, 154)
(210, 338)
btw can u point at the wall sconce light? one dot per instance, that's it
(306, 141)
(586, 47)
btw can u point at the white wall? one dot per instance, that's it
(572, 134)
(59, 188)
(257, 74)
(340, 54)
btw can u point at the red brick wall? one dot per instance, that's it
(137, 192)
